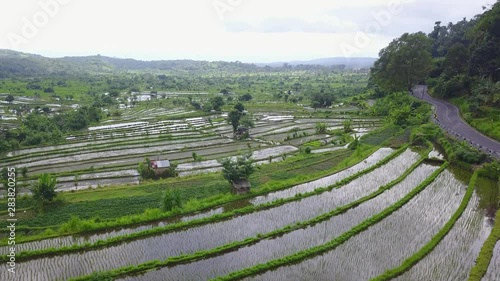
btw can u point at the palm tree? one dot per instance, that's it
(45, 189)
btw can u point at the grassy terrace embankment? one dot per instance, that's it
(483, 260)
(202, 221)
(198, 189)
(249, 241)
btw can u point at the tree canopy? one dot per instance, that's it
(237, 169)
(233, 118)
(217, 103)
(406, 61)
(9, 98)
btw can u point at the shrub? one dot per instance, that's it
(469, 156)
(321, 128)
(172, 200)
(354, 144)
(347, 125)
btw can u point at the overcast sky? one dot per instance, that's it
(244, 30)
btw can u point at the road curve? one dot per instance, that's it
(448, 117)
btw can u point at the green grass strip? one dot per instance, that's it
(128, 270)
(25, 255)
(211, 202)
(214, 201)
(427, 248)
(486, 253)
(91, 148)
(332, 244)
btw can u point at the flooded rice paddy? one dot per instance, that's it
(386, 244)
(329, 180)
(493, 273)
(209, 236)
(290, 243)
(455, 255)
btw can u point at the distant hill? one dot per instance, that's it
(14, 63)
(357, 62)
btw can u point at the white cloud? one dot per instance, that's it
(250, 30)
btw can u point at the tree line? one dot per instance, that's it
(461, 59)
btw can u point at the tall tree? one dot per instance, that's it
(217, 103)
(406, 61)
(233, 118)
(485, 47)
(456, 60)
(237, 169)
(240, 107)
(9, 98)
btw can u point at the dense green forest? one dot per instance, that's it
(459, 61)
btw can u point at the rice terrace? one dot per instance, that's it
(338, 169)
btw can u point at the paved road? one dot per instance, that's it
(448, 117)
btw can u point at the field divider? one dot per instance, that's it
(203, 254)
(208, 204)
(26, 255)
(56, 155)
(100, 147)
(334, 243)
(334, 155)
(484, 258)
(132, 165)
(435, 240)
(115, 168)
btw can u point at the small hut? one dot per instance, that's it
(241, 132)
(160, 166)
(241, 186)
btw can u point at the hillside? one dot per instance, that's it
(14, 63)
